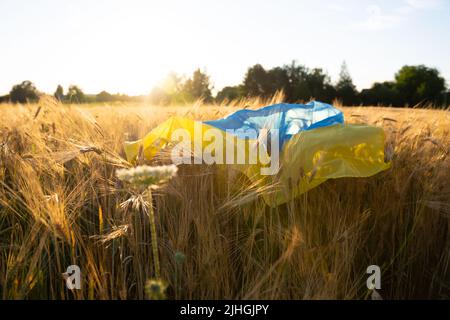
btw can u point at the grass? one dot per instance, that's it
(61, 204)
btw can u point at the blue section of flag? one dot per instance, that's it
(289, 119)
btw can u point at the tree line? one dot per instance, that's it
(412, 85)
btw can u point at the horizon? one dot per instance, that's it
(82, 43)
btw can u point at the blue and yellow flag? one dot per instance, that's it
(303, 145)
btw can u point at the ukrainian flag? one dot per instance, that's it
(314, 145)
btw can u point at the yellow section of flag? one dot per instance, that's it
(306, 160)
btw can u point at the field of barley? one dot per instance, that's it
(61, 204)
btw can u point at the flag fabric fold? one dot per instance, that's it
(289, 119)
(314, 145)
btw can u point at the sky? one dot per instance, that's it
(130, 46)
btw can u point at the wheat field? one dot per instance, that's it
(61, 204)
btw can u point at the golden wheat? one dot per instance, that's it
(60, 205)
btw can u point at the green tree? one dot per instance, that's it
(319, 86)
(230, 93)
(199, 86)
(345, 89)
(75, 94)
(419, 84)
(105, 97)
(256, 82)
(278, 80)
(265, 83)
(172, 84)
(59, 93)
(169, 91)
(4, 98)
(297, 88)
(297, 82)
(24, 92)
(384, 93)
